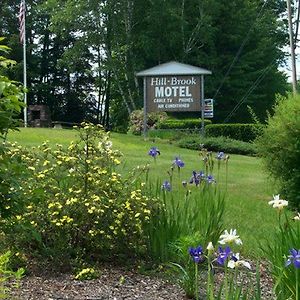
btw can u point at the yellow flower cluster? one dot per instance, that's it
(76, 192)
(88, 273)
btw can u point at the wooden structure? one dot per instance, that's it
(173, 86)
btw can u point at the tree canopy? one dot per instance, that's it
(83, 54)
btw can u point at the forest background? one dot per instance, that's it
(83, 54)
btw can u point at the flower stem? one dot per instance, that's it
(226, 180)
(226, 281)
(209, 291)
(219, 166)
(235, 277)
(297, 284)
(196, 282)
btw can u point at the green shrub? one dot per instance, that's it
(171, 134)
(13, 171)
(280, 147)
(6, 274)
(136, 123)
(75, 203)
(181, 123)
(218, 144)
(11, 94)
(241, 132)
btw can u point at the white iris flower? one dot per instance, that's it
(278, 203)
(235, 262)
(230, 237)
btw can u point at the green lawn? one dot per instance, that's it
(249, 188)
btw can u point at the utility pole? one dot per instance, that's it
(292, 46)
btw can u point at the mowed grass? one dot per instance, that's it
(248, 190)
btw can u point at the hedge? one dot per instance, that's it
(241, 132)
(172, 134)
(182, 123)
(218, 144)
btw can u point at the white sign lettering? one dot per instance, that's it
(173, 93)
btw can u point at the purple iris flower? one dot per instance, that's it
(210, 179)
(154, 152)
(234, 258)
(196, 254)
(178, 162)
(197, 177)
(201, 174)
(223, 255)
(294, 258)
(166, 186)
(220, 155)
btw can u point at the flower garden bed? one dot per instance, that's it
(113, 283)
(69, 206)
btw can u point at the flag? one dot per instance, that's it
(22, 21)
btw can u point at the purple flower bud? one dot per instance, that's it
(223, 255)
(210, 179)
(294, 258)
(196, 254)
(166, 186)
(154, 152)
(220, 155)
(197, 177)
(178, 162)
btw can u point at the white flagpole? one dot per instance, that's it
(24, 68)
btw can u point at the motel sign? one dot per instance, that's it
(173, 87)
(173, 93)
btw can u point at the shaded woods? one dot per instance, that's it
(83, 55)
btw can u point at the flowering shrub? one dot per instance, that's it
(75, 203)
(136, 122)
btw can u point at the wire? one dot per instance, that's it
(251, 89)
(240, 50)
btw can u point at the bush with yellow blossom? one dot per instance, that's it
(75, 203)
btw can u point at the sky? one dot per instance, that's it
(288, 67)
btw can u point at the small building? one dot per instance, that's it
(39, 116)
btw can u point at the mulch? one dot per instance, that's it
(113, 283)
